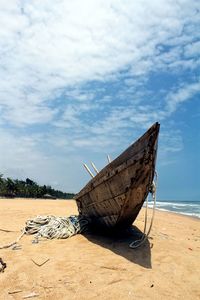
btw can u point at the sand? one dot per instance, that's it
(96, 267)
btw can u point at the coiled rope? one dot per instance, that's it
(137, 243)
(51, 227)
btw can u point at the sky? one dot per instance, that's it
(83, 79)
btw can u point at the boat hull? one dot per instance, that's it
(114, 197)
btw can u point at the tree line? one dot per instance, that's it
(29, 189)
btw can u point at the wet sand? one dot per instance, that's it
(96, 267)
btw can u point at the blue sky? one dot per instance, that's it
(83, 79)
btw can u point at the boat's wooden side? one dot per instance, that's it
(114, 197)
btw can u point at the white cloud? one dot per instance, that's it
(182, 94)
(49, 47)
(53, 52)
(192, 49)
(171, 142)
(28, 156)
(17, 151)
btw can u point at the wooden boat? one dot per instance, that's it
(114, 197)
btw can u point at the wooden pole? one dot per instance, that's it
(88, 170)
(94, 167)
(108, 157)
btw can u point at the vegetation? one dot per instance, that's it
(29, 189)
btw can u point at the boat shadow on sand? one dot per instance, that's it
(119, 244)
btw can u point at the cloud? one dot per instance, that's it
(47, 49)
(81, 73)
(182, 94)
(18, 151)
(171, 142)
(192, 49)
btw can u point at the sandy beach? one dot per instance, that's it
(96, 267)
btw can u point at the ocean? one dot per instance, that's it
(186, 207)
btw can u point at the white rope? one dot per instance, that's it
(13, 243)
(51, 227)
(138, 243)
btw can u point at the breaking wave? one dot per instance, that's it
(188, 208)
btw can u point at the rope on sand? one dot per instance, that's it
(51, 227)
(13, 243)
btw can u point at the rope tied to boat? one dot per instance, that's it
(137, 243)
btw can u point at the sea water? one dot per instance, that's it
(185, 207)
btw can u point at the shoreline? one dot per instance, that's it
(57, 200)
(178, 213)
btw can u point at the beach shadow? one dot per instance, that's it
(119, 244)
